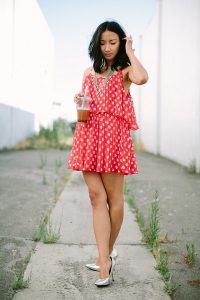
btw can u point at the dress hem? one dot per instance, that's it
(106, 172)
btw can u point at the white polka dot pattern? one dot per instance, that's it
(103, 143)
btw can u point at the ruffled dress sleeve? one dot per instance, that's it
(129, 112)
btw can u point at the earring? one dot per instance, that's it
(103, 64)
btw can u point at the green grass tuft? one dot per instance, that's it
(50, 235)
(154, 228)
(45, 231)
(19, 282)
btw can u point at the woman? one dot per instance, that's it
(102, 147)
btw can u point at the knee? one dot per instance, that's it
(97, 198)
(116, 203)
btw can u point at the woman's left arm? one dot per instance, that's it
(136, 72)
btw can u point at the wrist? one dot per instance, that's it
(131, 53)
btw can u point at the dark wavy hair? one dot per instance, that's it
(121, 60)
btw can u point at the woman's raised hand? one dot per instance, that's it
(129, 45)
(77, 97)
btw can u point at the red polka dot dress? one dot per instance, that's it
(103, 143)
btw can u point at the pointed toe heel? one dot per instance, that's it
(106, 281)
(92, 267)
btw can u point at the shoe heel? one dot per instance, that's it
(108, 280)
(113, 277)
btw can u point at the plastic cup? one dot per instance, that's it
(83, 109)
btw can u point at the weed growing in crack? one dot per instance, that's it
(131, 201)
(50, 236)
(170, 287)
(126, 189)
(190, 257)
(154, 227)
(40, 231)
(43, 160)
(19, 282)
(141, 223)
(27, 258)
(45, 231)
(151, 237)
(162, 266)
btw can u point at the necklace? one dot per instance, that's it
(100, 86)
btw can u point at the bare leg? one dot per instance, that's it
(101, 219)
(114, 186)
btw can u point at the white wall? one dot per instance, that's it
(170, 104)
(148, 98)
(26, 58)
(15, 125)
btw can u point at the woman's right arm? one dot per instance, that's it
(80, 94)
(87, 72)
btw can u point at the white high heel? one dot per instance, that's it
(95, 267)
(106, 281)
(92, 267)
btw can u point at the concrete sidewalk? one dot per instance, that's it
(58, 270)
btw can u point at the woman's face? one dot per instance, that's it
(109, 44)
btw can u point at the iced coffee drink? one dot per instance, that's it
(83, 109)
